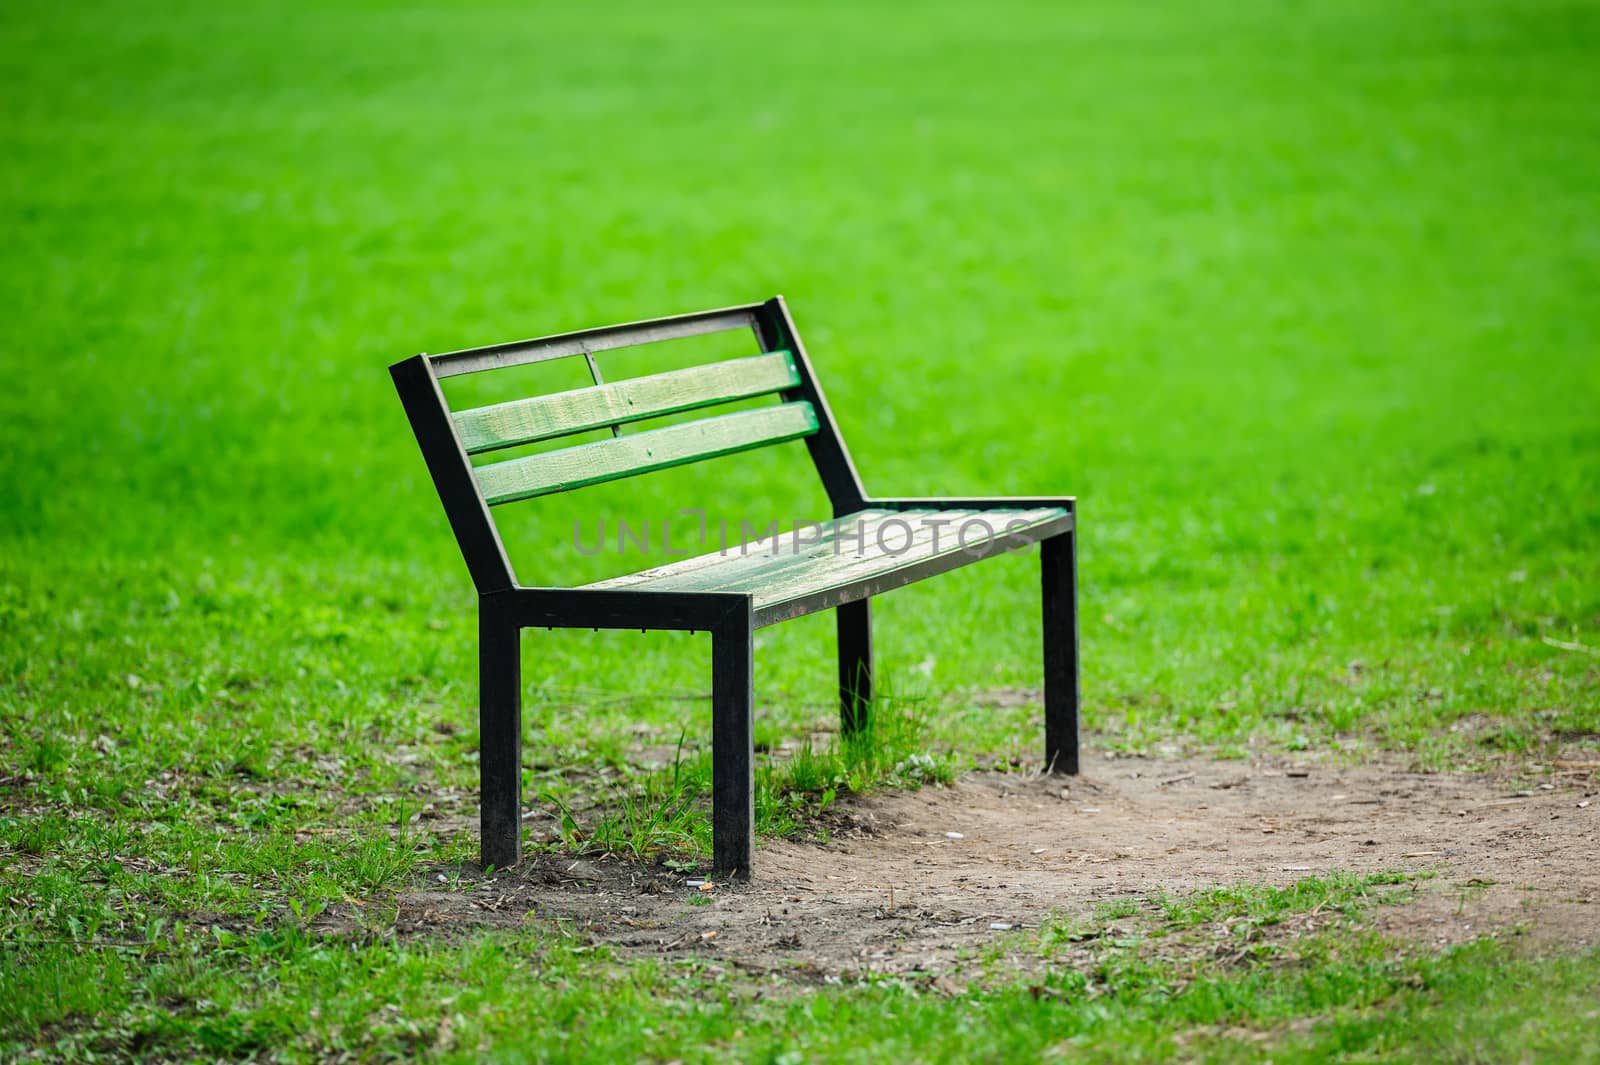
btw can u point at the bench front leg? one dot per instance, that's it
(733, 746)
(1058, 571)
(499, 734)
(854, 621)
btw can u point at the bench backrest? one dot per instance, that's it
(448, 438)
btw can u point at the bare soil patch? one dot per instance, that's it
(917, 881)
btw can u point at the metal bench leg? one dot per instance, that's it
(732, 747)
(855, 665)
(500, 735)
(1058, 570)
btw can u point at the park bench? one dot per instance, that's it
(871, 545)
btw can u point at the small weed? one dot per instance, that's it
(645, 814)
(376, 862)
(1117, 909)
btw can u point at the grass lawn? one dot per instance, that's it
(1299, 300)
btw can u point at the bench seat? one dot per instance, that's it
(817, 566)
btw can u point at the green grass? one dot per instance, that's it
(539, 996)
(1240, 912)
(664, 813)
(1298, 300)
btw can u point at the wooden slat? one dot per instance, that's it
(736, 559)
(658, 449)
(523, 352)
(838, 570)
(776, 571)
(835, 587)
(524, 421)
(906, 543)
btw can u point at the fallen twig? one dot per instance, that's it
(1567, 645)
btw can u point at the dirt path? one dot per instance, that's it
(913, 880)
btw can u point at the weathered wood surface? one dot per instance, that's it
(561, 345)
(790, 567)
(525, 421)
(658, 449)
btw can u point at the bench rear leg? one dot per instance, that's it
(1058, 570)
(855, 665)
(500, 737)
(732, 748)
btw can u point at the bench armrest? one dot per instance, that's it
(1067, 503)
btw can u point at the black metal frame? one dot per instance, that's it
(505, 607)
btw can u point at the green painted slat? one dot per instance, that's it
(658, 449)
(779, 572)
(525, 421)
(754, 555)
(831, 571)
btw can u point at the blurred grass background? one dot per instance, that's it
(1298, 298)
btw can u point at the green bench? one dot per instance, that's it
(870, 545)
